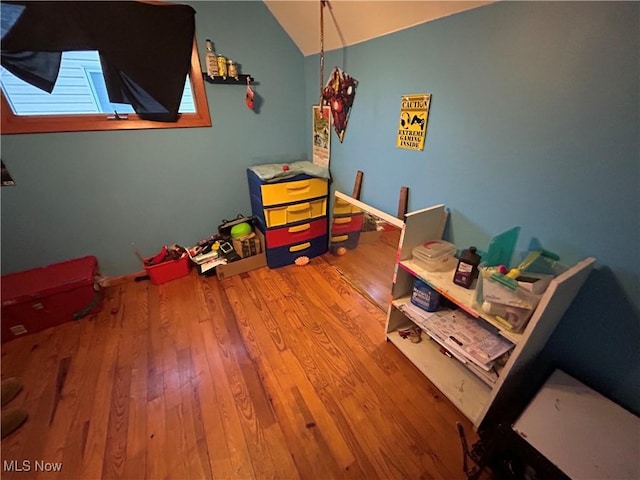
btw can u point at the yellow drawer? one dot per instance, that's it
(289, 192)
(277, 216)
(342, 207)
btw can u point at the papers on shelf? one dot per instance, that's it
(464, 336)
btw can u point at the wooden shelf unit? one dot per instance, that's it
(464, 384)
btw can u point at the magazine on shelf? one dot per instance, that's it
(461, 334)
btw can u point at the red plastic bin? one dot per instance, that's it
(167, 271)
(35, 299)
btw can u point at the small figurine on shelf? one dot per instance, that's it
(232, 69)
(222, 66)
(212, 61)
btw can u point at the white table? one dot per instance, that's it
(584, 434)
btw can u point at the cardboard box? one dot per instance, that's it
(248, 247)
(246, 264)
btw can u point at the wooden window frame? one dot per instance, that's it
(15, 124)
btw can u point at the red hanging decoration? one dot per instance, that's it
(250, 95)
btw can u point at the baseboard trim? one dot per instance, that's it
(122, 279)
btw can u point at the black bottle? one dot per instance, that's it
(467, 269)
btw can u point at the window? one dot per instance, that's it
(80, 89)
(82, 109)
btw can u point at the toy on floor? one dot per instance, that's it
(302, 261)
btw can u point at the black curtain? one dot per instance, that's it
(145, 50)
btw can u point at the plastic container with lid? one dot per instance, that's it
(435, 255)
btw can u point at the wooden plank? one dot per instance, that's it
(357, 185)
(403, 202)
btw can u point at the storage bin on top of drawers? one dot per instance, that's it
(298, 212)
(296, 191)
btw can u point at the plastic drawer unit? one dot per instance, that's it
(292, 214)
(347, 224)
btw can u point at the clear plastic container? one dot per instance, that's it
(513, 308)
(436, 255)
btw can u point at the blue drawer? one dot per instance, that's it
(281, 256)
(348, 240)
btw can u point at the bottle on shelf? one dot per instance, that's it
(212, 60)
(232, 69)
(467, 269)
(222, 66)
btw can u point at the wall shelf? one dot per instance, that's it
(242, 79)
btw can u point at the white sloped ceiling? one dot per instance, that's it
(347, 22)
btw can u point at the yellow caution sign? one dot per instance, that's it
(412, 128)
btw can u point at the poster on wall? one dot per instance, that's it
(412, 129)
(321, 135)
(339, 93)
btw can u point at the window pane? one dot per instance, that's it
(80, 89)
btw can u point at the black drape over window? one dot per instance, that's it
(145, 50)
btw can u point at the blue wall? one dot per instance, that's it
(96, 192)
(534, 121)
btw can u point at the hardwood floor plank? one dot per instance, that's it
(328, 463)
(297, 440)
(80, 392)
(281, 362)
(138, 328)
(213, 432)
(98, 418)
(309, 343)
(115, 452)
(221, 357)
(279, 373)
(364, 465)
(191, 415)
(199, 434)
(156, 460)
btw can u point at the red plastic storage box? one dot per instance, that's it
(43, 297)
(167, 271)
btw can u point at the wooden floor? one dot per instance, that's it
(271, 374)
(369, 267)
